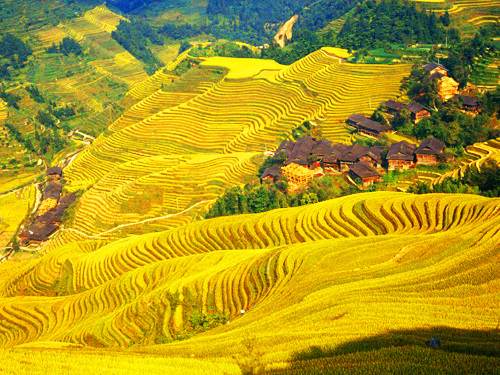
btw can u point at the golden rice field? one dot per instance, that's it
(4, 112)
(378, 273)
(195, 126)
(13, 209)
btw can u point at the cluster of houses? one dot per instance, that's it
(311, 158)
(50, 212)
(448, 90)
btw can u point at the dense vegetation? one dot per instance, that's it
(10, 98)
(255, 198)
(484, 181)
(136, 37)
(14, 52)
(370, 25)
(377, 24)
(227, 49)
(128, 5)
(255, 14)
(465, 54)
(182, 31)
(66, 46)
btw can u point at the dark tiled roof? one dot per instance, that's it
(53, 190)
(394, 105)
(54, 170)
(438, 75)
(273, 171)
(39, 232)
(331, 158)
(431, 66)
(415, 107)
(61, 208)
(401, 151)
(301, 151)
(368, 124)
(322, 148)
(353, 153)
(363, 170)
(375, 153)
(339, 148)
(430, 146)
(286, 146)
(356, 118)
(469, 101)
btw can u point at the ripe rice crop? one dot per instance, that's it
(326, 275)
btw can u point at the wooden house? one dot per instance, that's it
(301, 152)
(365, 173)
(393, 107)
(417, 111)
(401, 156)
(331, 161)
(351, 155)
(470, 104)
(37, 233)
(271, 174)
(368, 127)
(435, 68)
(372, 157)
(448, 87)
(428, 151)
(321, 149)
(53, 191)
(286, 147)
(54, 172)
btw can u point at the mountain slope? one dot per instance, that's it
(323, 274)
(194, 128)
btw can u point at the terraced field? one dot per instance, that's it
(194, 125)
(93, 29)
(13, 209)
(328, 275)
(476, 156)
(486, 73)
(4, 112)
(475, 12)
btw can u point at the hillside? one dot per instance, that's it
(128, 129)
(475, 12)
(316, 287)
(160, 158)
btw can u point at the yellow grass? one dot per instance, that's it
(242, 68)
(339, 52)
(398, 138)
(187, 142)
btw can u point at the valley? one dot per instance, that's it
(180, 194)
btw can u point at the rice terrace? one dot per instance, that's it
(249, 187)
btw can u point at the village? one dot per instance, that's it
(49, 216)
(308, 158)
